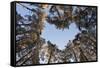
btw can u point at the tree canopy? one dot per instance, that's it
(30, 48)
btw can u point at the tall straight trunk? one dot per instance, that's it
(39, 28)
(50, 57)
(82, 56)
(74, 55)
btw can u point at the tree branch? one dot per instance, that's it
(27, 7)
(58, 12)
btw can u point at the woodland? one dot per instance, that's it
(33, 49)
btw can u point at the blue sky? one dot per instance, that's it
(59, 37)
(56, 36)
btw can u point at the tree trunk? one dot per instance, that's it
(82, 56)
